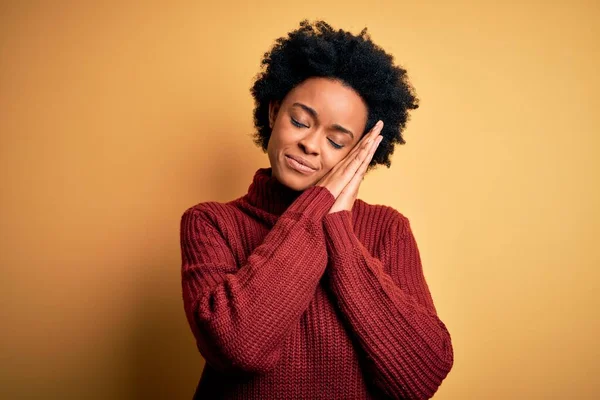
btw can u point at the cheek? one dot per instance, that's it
(283, 138)
(274, 139)
(331, 159)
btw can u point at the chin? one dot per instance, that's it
(292, 180)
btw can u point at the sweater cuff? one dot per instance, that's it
(339, 231)
(314, 203)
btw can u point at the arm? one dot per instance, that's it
(240, 315)
(409, 350)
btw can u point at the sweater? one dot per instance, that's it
(288, 301)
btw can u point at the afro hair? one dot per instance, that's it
(317, 50)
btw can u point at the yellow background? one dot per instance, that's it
(115, 118)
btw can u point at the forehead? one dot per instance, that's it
(334, 102)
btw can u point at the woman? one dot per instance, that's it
(299, 290)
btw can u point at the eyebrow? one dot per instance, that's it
(315, 115)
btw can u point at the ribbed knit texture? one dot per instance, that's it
(286, 301)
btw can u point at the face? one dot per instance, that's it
(319, 121)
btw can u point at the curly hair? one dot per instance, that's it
(317, 50)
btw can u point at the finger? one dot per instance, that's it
(348, 166)
(371, 135)
(356, 161)
(361, 150)
(366, 139)
(362, 169)
(366, 153)
(354, 182)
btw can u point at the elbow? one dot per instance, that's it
(446, 355)
(229, 361)
(257, 365)
(428, 376)
(426, 387)
(226, 346)
(441, 357)
(234, 353)
(437, 372)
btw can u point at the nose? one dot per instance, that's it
(310, 142)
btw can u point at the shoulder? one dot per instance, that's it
(387, 218)
(209, 211)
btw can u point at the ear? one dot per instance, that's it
(273, 110)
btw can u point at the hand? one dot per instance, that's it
(345, 177)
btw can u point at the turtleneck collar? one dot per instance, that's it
(268, 194)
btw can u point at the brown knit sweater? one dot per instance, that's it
(286, 301)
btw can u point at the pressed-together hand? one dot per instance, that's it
(344, 179)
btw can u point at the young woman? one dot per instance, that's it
(299, 290)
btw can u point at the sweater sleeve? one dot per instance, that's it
(408, 348)
(241, 314)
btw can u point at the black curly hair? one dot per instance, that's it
(317, 50)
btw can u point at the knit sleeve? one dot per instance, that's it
(408, 348)
(241, 314)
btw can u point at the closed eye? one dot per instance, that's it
(299, 125)
(334, 144)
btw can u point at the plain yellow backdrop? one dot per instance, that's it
(115, 118)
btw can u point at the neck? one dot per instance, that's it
(268, 194)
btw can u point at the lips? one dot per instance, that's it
(302, 161)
